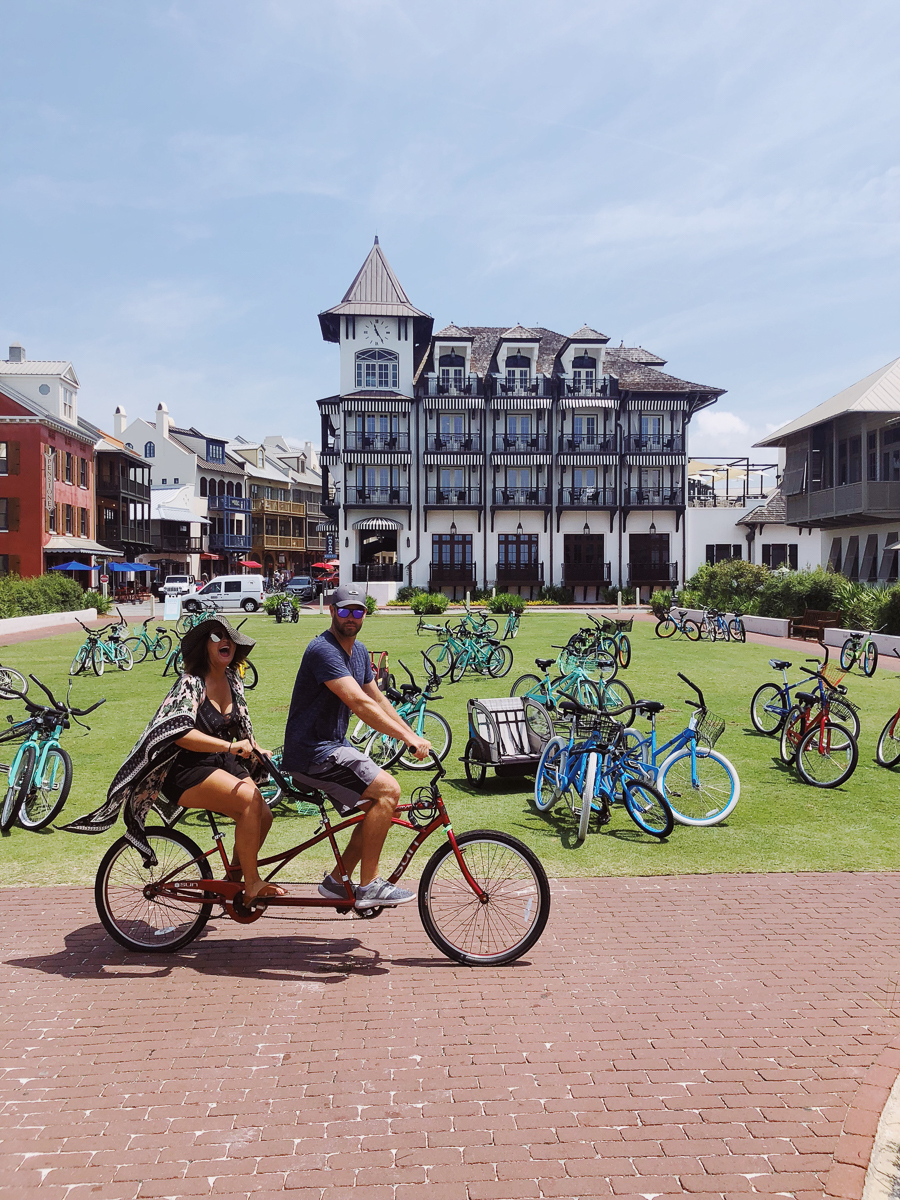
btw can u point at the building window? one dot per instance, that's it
(722, 553)
(4, 458)
(52, 519)
(4, 564)
(149, 450)
(518, 372)
(377, 369)
(82, 472)
(162, 481)
(584, 373)
(517, 549)
(215, 451)
(82, 522)
(780, 554)
(238, 491)
(451, 549)
(452, 367)
(68, 403)
(872, 456)
(68, 475)
(69, 518)
(109, 515)
(4, 515)
(175, 480)
(204, 487)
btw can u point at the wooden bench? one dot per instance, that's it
(813, 623)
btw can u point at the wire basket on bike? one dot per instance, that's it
(600, 725)
(611, 625)
(832, 673)
(708, 728)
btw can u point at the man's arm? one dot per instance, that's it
(376, 712)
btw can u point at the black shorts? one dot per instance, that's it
(191, 769)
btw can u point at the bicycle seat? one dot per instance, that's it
(393, 694)
(573, 709)
(493, 642)
(544, 663)
(161, 629)
(779, 664)
(649, 707)
(806, 698)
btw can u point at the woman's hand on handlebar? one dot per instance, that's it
(244, 748)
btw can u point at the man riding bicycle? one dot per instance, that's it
(335, 679)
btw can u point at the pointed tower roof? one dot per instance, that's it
(586, 334)
(519, 333)
(375, 291)
(453, 333)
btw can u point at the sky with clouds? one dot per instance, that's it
(184, 186)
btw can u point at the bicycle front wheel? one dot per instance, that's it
(440, 659)
(18, 787)
(691, 630)
(887, 753)
(700, 793)
(500, 662)
(767, 708)
(48, 794)
(587, 796)
(844, 713)
(430, 725)
(624, 652)
(459, 664)
(162, 647)
(737, 631)
(98, 661)
(614, 695)
(550, 779)
(12, 681)
(506, 920)
(251, 676)
(133, 912)
(138, 648)
(870, 659)
(827, 755)
(647, 807)
(384, 750)
(124, 660)
(792, 732)
(80, 661)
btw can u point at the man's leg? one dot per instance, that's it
(368, 837)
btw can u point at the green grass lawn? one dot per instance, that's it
(779, 825)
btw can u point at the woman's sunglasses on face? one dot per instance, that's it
(219, 637)
(356, 613)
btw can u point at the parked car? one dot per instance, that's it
(228, 592)
(301, 586)
(177, 585)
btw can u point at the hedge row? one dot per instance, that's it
(41, 594)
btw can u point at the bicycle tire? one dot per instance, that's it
(18, 787)
(624, 652)
(792, 732)
(162, 647)
(80, 661)
(469, 930)
(46, 798)
(648, 807)
(887, 752)
(737, 630)
(138, 647)
(124, 660)
(550, 774)
(587, 796)
(136, 921)
(832, 766)
(251, 676)
(440, 742)
(665, 627)
(440, 659)
(716, 794)
(691, 629)
(870, 660)
(97, 660)
(383, 749)
(460, 664)
(616, 694)
(762, 705)
(489, 625)
(476, 770)
(12, 680)
(848, 655)
(505, 655)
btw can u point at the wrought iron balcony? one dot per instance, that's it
(519, 497)
(652, 572)
(591, 573)
(360, 440)
(377, 572)
(506, 443)
(456, 497)
(444, 573)
(587, 497)
(540, 385)
(600, 385)
(241, 504)
(468, 385)
(571, 444)
(230, 541)
(180, 543)
(520, 573)
(672, 443)
(453, 443)
(376, 495)
(653, 497)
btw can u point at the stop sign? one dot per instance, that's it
(104, 579)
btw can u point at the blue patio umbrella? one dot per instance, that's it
(73, 566)
(127, 566)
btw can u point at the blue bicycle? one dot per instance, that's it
(592, 774)
(700, 784)
(772, 702)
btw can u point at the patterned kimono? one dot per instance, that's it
(138, 781)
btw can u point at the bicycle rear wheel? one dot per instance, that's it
(430, 725)
(507, 921)
(528, 685)
(624, 652)
(691, 630)
(132, 912)
(18, 787)
(887, 753)
(162, 646)
(124, 660)
(550, 780)
(704, 794)
(827, 755)
(138, 648)
(737, 630)
(97, 659)
(47, 795)
(647, 807)
(848, 654)
(384, 750)
(844, 713)
(440, 659)
(616, 694)
(767, 708)
(12, 681)
(870, 660)
(665, 628)
(500, 662)
(251, 676)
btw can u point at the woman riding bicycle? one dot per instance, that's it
(198, 752)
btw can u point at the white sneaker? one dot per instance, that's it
(381, 894)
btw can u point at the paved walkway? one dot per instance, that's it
(704, 1036)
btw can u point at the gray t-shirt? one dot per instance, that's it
(318, 719)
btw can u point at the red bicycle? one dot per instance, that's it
(483, 896)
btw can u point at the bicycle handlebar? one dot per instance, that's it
(692, 703)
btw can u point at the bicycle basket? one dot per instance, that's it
(598, 724)
(709, 728)
(624, 626)
(833, 673)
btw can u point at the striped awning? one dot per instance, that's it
(657, 403)
(586, 402)
(508, 402)
(656, 460)
(453, 403)
(327, 527)
(587, 460)
(330, 407)
(453, 460)
(377, 523)
(397, 458)
(382, 404)
(502, 459)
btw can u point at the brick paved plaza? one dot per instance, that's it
(706, 1036)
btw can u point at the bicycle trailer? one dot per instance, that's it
(508, 733)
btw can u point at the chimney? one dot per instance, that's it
(119, 422)
(163, 420)
(16, 353)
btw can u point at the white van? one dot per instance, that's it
(228, 592)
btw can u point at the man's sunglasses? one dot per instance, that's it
(356, 613)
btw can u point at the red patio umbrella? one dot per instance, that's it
(248, 562)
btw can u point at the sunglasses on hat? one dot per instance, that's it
(356, 613)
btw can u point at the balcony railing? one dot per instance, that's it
(230, 541)
(538, 386)
(377, 572)
(454, 443)
(358, 440)
(239, 504)
(653, 497)
(599, 386)
(592, 573)
(506, 443)
(443, 573)
(271, 541)
(672, 443)
(520, 573)
(124, 487)
(516, 497)
(588, 497)
(469, 385)
(181, 544)
(454, 496)
(588, 445)
(376, 495)
(291, 508)
(659, 572)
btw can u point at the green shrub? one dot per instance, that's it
(429, 602)
(371, 604)
(406, 593)
(727, 585)
(95, 600)
(555, 594)
(661, 602)
(504, 602)
(40, 594)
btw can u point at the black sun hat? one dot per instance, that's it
(200, 633)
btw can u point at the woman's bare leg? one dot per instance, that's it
(239, 799)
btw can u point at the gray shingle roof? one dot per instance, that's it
(586, 334)
(774, 512)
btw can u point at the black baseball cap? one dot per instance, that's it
(346, 596)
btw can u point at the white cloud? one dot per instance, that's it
(715, 433)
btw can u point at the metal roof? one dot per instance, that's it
(376, 291)
(878, 392)
(86, 545)
(37, 366)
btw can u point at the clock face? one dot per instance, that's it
(376, 332)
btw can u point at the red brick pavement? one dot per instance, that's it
(686, 1036)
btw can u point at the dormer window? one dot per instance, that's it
(584, 373)
(215, 451)
(377, 369)
(518, 372)
(453, 371)
(149, 450)
(68, 404)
